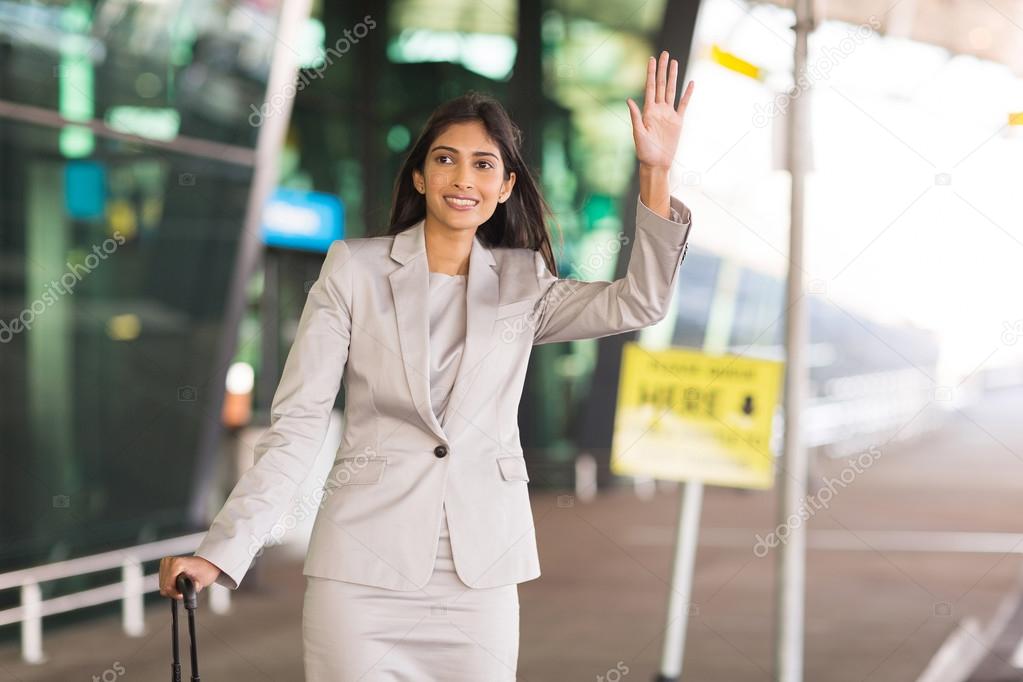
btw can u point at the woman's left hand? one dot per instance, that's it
(657, 129)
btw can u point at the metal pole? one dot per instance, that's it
(681, 582)
(791, 574)
(283, 72)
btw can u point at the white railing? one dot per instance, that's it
(857, 411)
(130, 590)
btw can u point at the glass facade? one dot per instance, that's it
(127, 160)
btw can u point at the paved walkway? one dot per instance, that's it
(874, 611)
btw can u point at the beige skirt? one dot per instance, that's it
(445, 631)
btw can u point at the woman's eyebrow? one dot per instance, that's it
(475, 153)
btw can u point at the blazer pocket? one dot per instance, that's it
(513, 468)
(515, 308)
(357, 470)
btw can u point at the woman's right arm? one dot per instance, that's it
(285, 453)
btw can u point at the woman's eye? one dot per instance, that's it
(487, 164)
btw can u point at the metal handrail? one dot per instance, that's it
(131, 589)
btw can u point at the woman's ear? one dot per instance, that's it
(418, 181)
(506, 188)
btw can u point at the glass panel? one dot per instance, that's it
(114, 273)
(154, 69)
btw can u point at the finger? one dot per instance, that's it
(637, 118)
(648, 94)
(662, 69)
(669, 92)
(684, 102)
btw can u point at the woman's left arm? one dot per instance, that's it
(572, 309)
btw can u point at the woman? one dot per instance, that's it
(425, 528)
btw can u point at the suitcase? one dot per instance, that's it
(187, 589)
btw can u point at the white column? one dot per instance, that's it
(220, 598)
(32, 623)
(132, 606)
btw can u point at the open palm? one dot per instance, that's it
(656, 130)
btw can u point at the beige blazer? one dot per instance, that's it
(365, 321)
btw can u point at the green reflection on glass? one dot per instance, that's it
(76, 81)
(398, 138)
(153, 123)
(311, 44)
(488, 55)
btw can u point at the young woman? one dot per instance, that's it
(425, 528)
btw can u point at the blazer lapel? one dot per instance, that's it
(410, 285)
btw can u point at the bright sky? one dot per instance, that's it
(914, 204)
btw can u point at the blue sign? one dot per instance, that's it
(298, 219)
(85, 190)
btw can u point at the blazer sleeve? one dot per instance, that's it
(299, 417)
(571, 309)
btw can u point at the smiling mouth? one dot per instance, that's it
(458, 202)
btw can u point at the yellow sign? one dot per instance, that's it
(735, 63)
(686, 415)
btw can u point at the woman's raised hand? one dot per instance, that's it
(656, 130)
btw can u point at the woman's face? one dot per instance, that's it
(463, 177)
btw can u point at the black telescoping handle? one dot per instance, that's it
(176, 664)
(187, 589)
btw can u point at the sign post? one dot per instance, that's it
(692, 416)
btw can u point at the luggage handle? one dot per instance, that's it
(187, 589)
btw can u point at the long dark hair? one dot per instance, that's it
(518, 222)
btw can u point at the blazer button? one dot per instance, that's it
(440, 450)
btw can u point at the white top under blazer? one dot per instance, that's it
(365, 325)
(447, 336)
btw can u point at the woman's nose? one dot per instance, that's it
(462, 179)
